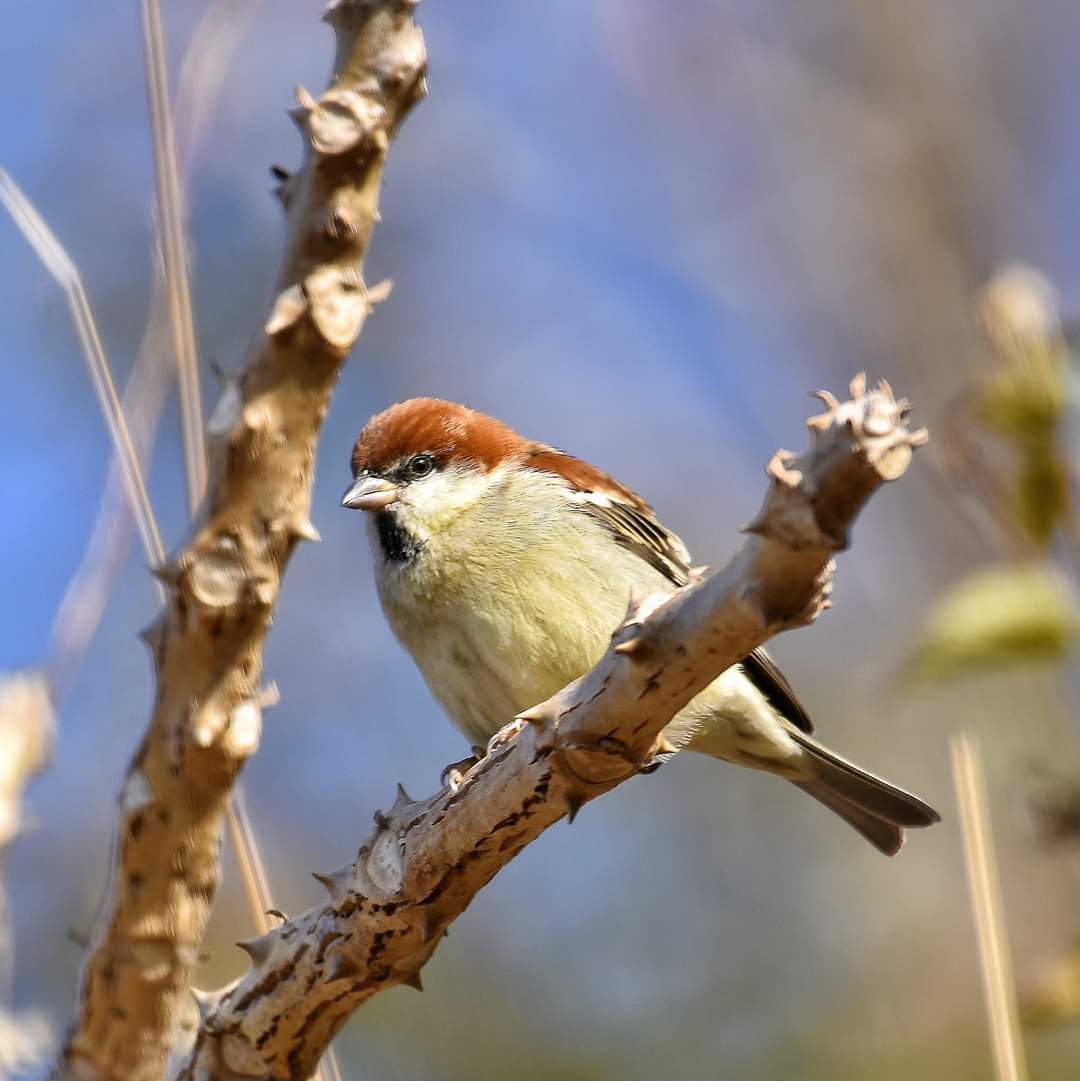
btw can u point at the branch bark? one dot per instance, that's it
(425, 861)
(207, 643)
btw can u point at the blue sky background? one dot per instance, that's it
(641, 232)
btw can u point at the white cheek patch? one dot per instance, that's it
(429, 505)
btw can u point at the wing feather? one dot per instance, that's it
(631, 520)
(635, 526)
(764, 673)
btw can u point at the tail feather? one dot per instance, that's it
(884, 835)
(878, 810)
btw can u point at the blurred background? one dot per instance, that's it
(642, 232)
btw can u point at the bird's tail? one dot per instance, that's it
(878, 810)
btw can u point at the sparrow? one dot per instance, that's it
(503, 566)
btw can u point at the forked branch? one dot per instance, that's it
(425, 861)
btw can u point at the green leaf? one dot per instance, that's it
(1013, 614)
(1024, 399)
(1040, 494)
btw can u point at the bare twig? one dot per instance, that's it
(84, 600)
(207, 645)
(61, 267)
(171, 217)
(106, 552)
(425, 861)
(202, 74)
(170, 220)
(986, 904)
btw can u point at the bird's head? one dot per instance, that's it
(419, 465)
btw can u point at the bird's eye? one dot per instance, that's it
(421, 465)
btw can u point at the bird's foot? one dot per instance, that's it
(505, 735)
(454, 774)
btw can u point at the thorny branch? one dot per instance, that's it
(207, 643)
(426, 860)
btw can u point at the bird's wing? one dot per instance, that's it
(763, 673)
(636, 527)
(630, 519)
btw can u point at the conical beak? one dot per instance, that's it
(369, 493)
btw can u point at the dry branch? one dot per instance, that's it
(207, 644)
(425, 861)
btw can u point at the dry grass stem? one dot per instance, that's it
(987, 909)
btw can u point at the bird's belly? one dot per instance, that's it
(489, 653)
(484, 669)
(496, 643)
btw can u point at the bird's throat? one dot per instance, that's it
(397, 543)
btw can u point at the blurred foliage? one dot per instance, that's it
(1039, 494)
(1023, 400)
(1022, 611)
(1006, 615)
(1055, 998)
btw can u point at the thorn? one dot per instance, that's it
(637, 598)
(629, 647)
(413, 981)
(258, 949)
(755, 525)
(573, 801)
(828, 399)
(402, 799)
(428, 928)
(204, 1000)
(697, 573)
(269, 696)
(336, 883)
(277, 913)
(326, 881)
(537, 716)
(919, 438)
(857, 386)
(341, 967)
(288, 308)
(303, 528)
(379, 292)
(261, 591)
(152, 636)
(885, 387)
(280, 173)
(665, 746)
(304, 98)
(168, 572)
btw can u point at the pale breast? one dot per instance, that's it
(496, 627)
